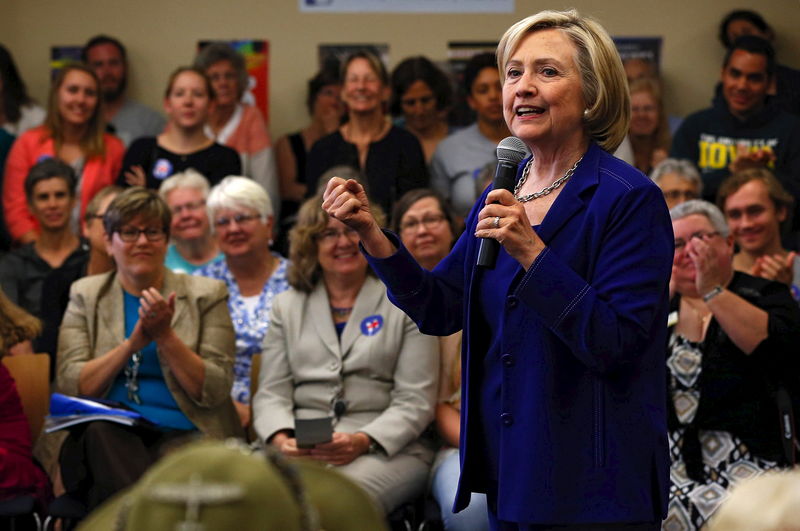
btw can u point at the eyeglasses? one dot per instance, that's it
(240, 219)
(131, 234)
(680, 243)
(686, 195)
(429, 222)
(332, 235)
(191, 206)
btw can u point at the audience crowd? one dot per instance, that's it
(107, 206)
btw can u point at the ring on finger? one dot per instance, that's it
(151, 314)
(497, 222)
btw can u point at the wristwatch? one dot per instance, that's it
(713, 293)
(374, 447)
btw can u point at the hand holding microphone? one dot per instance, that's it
(510, 152)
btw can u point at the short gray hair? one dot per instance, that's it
(235, 192)
(190, 178)
(702, 208)
(683, 168)
(220, 51)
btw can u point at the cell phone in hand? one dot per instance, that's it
(310, 432)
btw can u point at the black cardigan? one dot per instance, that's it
(737, 390)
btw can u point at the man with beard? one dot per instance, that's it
(126, 118)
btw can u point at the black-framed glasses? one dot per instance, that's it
(240, 219)
(680, 243)
(429, 222)
(131, 234)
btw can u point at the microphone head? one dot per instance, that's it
(512, 149)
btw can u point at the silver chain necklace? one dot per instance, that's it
(547, 189)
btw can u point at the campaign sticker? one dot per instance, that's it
(371, 325)
(162, 169)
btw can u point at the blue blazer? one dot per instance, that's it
(583, 400)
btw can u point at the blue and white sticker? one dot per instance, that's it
(371, 325)
(43, 158)
(162, 169)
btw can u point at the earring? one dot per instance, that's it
(585, 115)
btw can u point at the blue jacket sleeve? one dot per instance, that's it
(433, 299)
(609, 319)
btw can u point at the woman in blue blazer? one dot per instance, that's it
(563, 415)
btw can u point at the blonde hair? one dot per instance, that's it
(92, 144)
(603, 81)
(16, 325)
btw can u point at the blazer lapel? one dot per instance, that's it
(320, 311)
(366, 305)
(112, 313)
(570, 201)
(172, 282)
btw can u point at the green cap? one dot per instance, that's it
(203, 486)
(216, 486)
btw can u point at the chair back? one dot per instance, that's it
(31, 372)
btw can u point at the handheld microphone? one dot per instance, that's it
(510, 152)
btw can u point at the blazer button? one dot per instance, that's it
(334, 367)
(507, 359)
(507, 419)
(512, 302)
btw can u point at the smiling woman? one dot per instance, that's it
(192, 244)
(241, 215)
(390, 157)
(338, 348)
(563, 423)
(730, 356)
(184, 143)
(73, 132)
(158, 342)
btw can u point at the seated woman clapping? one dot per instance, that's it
(161, 343)
(731, 356)
(337, 347)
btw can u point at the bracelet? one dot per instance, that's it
(713, 293)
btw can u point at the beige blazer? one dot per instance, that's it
(94, 323)
(388, 379)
